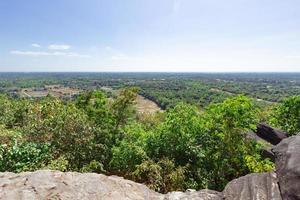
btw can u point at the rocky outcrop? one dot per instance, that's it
(283, 184)
(268, 137)
(253, 186)
(45, 184)
(287, 155)
(271, 135)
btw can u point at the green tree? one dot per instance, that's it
(130, 151)
(176, 136)
(230, 121)
(95, 105)
(122, 107)
(184, 139)
(64, 127)
(12, 111)
(286, 115)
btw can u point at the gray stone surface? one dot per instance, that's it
(45, 184)
(194, 195)
(257, 186)
(287, 159)
(272, 135)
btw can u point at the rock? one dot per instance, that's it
(287, 160)
(190, 190)
(266, 151)
(46, 184)
(272, 135)
(193, 195)
(258, 186)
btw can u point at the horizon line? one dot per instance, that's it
(149, 71)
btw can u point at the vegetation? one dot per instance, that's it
(287, 115)
(167, 89)
(182, 148)
(199, 141)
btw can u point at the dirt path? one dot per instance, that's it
(24, 93)
(143, 105)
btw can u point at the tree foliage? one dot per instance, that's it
(287, 115)
(184, 147)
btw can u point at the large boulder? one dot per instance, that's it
(257, 186)
(46, 184)
(271, 135)
(287, 160)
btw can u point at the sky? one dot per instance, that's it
(150, 35)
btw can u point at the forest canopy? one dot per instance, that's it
(183, 147)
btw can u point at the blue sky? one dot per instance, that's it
(150, 35)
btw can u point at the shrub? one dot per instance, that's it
(24, 156)
(60, 164)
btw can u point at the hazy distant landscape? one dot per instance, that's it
(165, 89)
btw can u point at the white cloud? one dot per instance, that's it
(44, 53)
(30, 53)
(36, 45)
(59, 47)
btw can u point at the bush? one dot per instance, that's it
(162, 176)
(148, 173)
(257, 165)
(60, 164)
(93, 166)
(24, 156)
